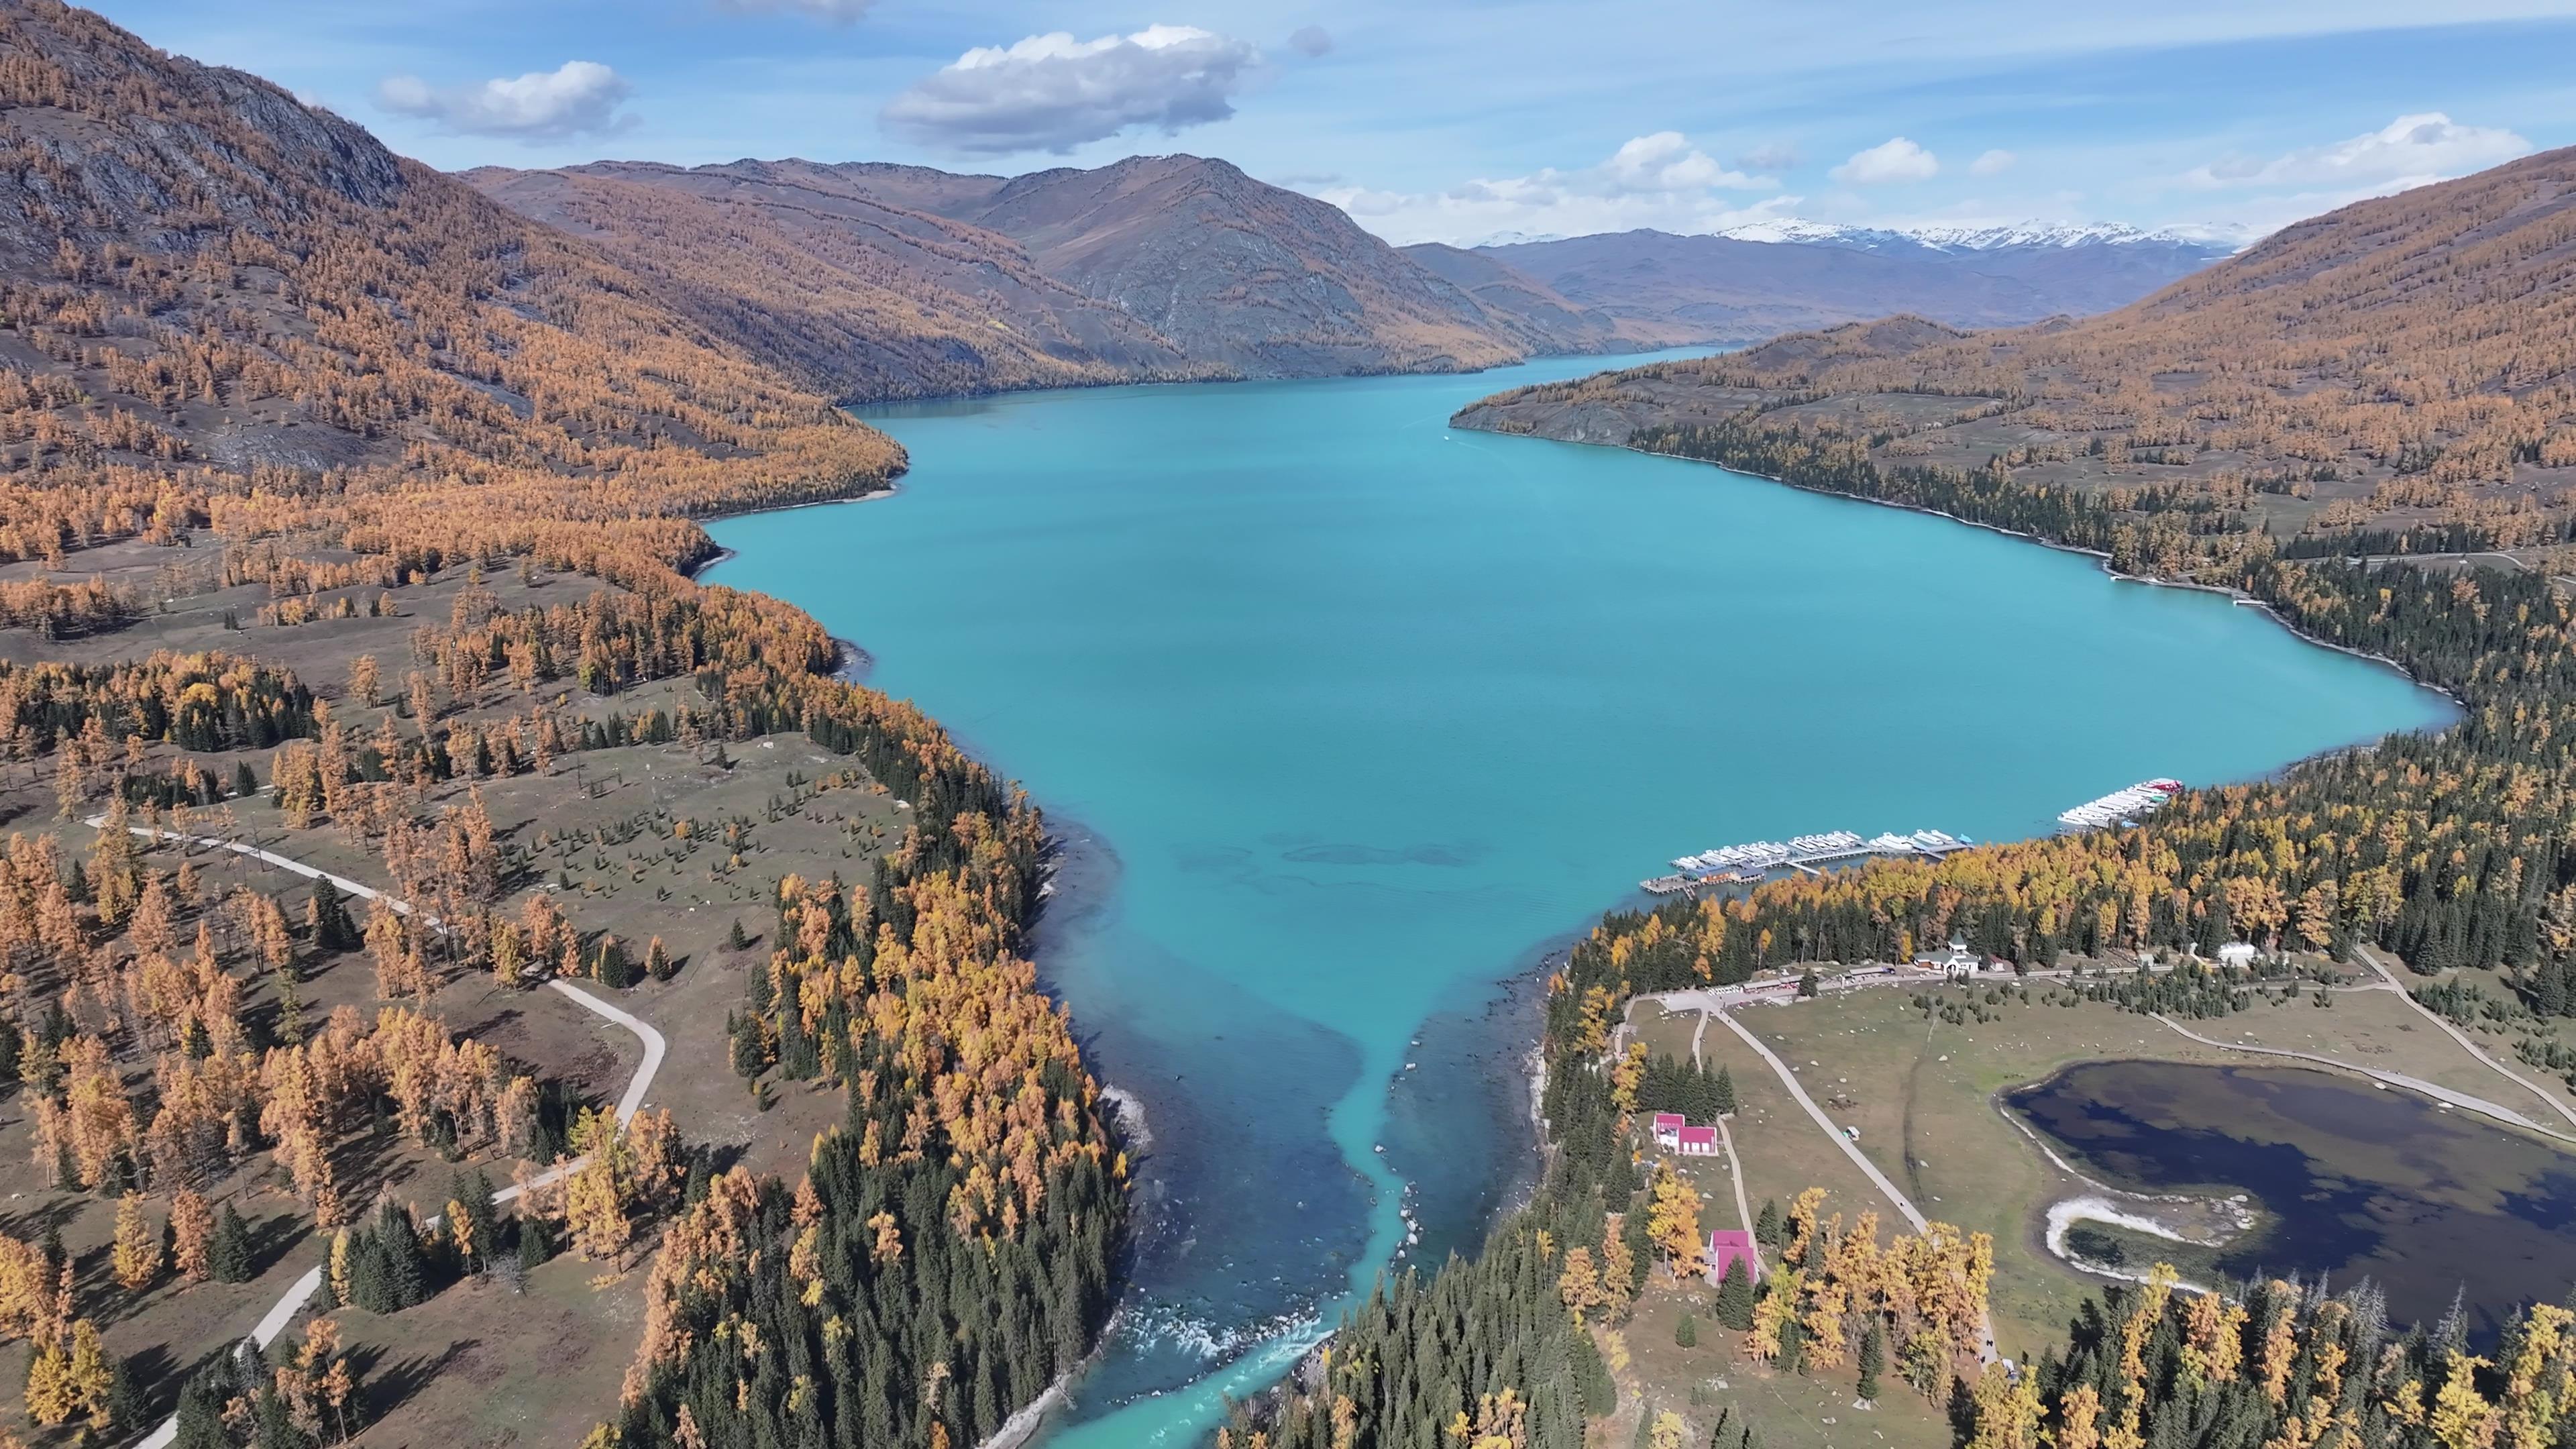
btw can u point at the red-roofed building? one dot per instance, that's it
(1725, 1246)
(1696, 1142)
(1668, 1128)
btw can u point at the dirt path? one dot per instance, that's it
(2472, 1048)
(1851, 1149)
(2440, 1094)
(301, 1291)
(1734, 1166)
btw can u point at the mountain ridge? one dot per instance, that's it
(2395, 376)
(1668, 288)
(875, 279)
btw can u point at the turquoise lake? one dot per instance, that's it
(1347, 716)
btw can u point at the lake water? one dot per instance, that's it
(1350, 714)
(2357, 1182)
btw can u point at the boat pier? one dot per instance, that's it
(1755, 861)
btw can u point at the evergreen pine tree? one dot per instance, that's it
(1873, 1356)
(750, 1053)
(201, 1415)
(1725, 1092)
(735, 940)
(406, 1261)
(228, 1255)
(613, 967)
(1735, 1297)
(125, 1407)
(370, 1283)
(536, 1243)
(273, 1422)
(2550, 996)
(1592, 1377)
(332, 928)
(473, 1193)
(1766, 1227)
(1686, 1332)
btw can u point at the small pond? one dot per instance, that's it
(2353, 1181)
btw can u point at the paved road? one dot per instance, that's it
(301, 1291)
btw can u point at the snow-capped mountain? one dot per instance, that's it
(1956, 238)
(1778, 275)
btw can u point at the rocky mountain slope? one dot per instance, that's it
(1525, 308)
(876, 280)
(2395, 376)
(862, 298)
(1666, 289)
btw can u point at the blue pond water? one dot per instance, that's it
(1349, 713)
(2355, 1182)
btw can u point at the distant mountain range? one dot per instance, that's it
(2389, 377)
(1659, 289)
(877, 281)
(1991, 237)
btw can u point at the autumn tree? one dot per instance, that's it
(1673, 1223)
(192, 1230)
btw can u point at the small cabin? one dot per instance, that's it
(1696, 1142)
(1668, 1129)
(2237, 953)
(1727, 1245)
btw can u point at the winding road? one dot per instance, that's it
(2444, 1095)
(301, 1291)
(2473, 1049)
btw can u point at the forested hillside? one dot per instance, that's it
(2392, 377)
(264, 383)
(2385, 378)
(860, 298)
(873, 281)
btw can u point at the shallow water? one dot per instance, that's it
(1357, 712)
(2357, 1182)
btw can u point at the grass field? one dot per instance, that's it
(597, 832)
(1791, 1410)
(1922, 1093)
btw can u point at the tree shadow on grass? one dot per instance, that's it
(272, 1237)
(32, 1225)
(388, 1389)
(157, 1375)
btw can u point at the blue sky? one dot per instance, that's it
(1451, 120)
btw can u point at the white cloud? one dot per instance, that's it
(1895, 159)
(1053, 92)
(1991, 163)
(1311, 41)
(836, 12)
(1772, 157)
(1659, 181)
(580, 97)
(1666, 162)
(2408, 151)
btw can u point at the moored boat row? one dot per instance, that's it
(1754, 860)
(2120, 807)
